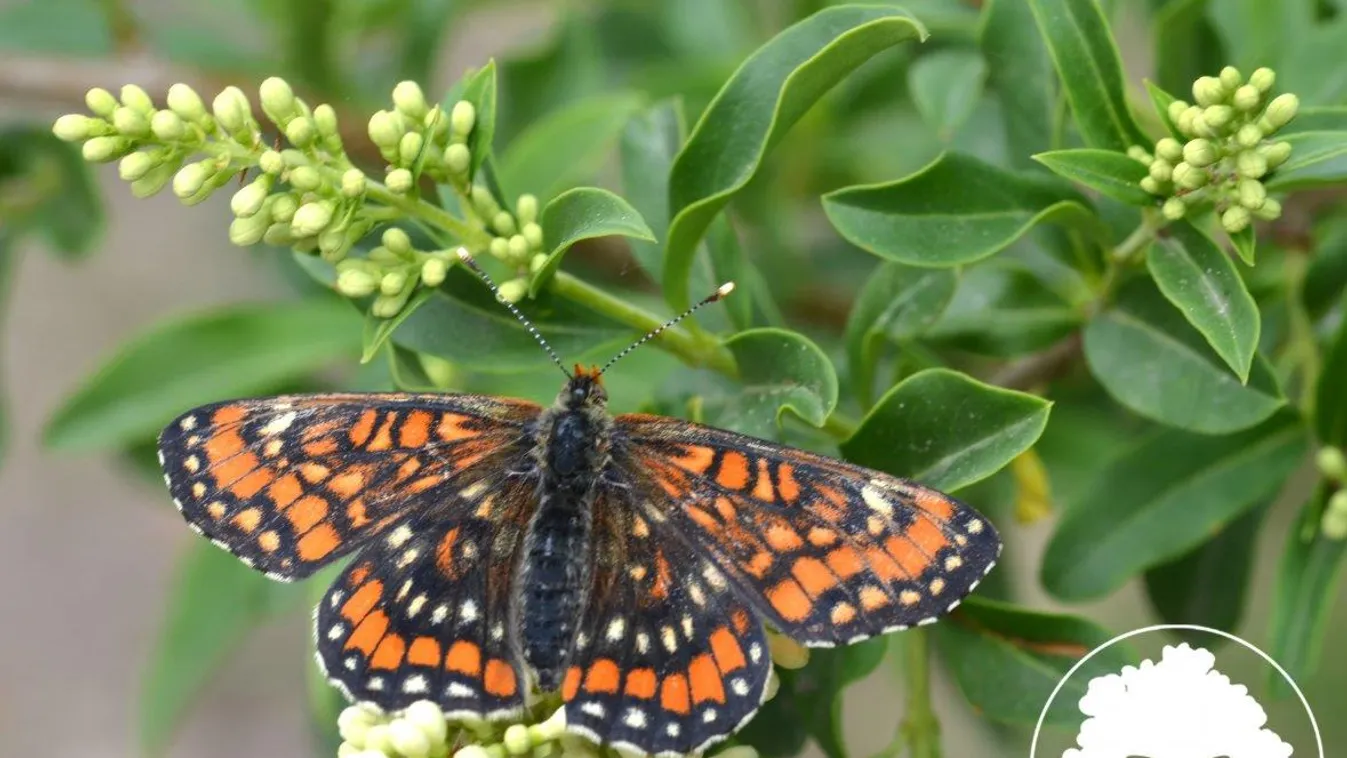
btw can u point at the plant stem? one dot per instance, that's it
(921, 729)
(472, 237)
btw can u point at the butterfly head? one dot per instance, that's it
(584, 390)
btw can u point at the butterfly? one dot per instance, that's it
(501, 549)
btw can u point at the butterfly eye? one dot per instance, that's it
(579, 393)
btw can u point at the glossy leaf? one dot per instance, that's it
(779, 371)
(1164, 497)
(580, 214)
(945, 86)
(1152, 361)
(1105, 171)
(650, 140)
(378, 331)
(1161, 100)
(946, 430)
(1259, 33)
(1021, 76)
(956, 210)
(769, 92)
(1086, 59)
(1185, 45)
(565, 146)
(1006, 660)
(463, 323)
(1317, 159)
(898, 303)
(728, 264)
(200, 359)
(215, 601)
(1245, 244)
(1003, 311)
(1330, 399)
(1200, 280)
(479, 88)
(1323, 118)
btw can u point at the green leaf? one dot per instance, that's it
(1162, 498)
(479, 88)
(762, 99)
(463, 323)
(49, 190)
(1323, 118)
(1006, 660)
(1152, 361)
(214, 602)
(1001, 310)
(956, 210)
(1330, 402)
(1317, 159)
(897, 304)
(1201, 281)
(1209, 584)
(566, 145)
(1308, 578)
(378, 331)
(650, 140)
(199, 359)
(1185, 45)
(946, 430)
(1022, 77)
(1105, 171)
(1086, 59)
(729, 265)
(945, 86)
(1313, 67)
(1257, 32)
(779, 370)
(809, 701)
(1326, 279)
(580, 214)
(1245, 244)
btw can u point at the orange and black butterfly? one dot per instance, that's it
(503, 549)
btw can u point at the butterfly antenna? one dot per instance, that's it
(466, 257)
(720, 292)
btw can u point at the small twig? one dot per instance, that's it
(1042, 366)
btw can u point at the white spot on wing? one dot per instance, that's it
(642, 643)
(755, 652)
(671, 730)
(634, 718)
(188, 423)
(669, 638)
(873, 498)
(398, 537)
(279, 424)
(739, 686)
(192, 464)
(617, 629)
(709, 715)
(439, 614)
(415, 606)
(974, 526)
(376, 683)
(459, 690)
(415, 684)
(593, 709)
(335, 631)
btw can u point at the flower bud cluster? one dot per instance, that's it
(1332, 464)
(1226, 152)
(419, 139)
(517, 238)
(391, 272)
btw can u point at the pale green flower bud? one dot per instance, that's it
(436, 123)
(537, 262)
(278, 100)
(1149, 184)
(461, 120)
(1231, 78)
(773, 685)
(353, 183)
(408, 98)
(1207, 90)
(409, 148)
(1184, 123)
(427, 716)
(1270, 211)
(348, 750)
(386, 257)
(105, 149)
(246, 232)
(1251, 193)
(186, 103)
(549, 730)
(433, 273)
(1331, 463)
(499, 248)
(353, 282)
(325, 120)
(1334, 523)
(305, 178)
(271, 162)
(514, 290)
(386, 129)
(483, 202)
(1201, 128)
(786, 652)
(136, 165)
(1161, 171)
(301, 132)
(279, 234)
(1250, 164)
(1173, 209)
(533, 234)
(1281, 110)
(1176, 109)
(283, 208)
(333, 244)
(137, 99)
(408, 740)
(130, 122)
(232, 110)
(1236, 219)
(519, 249)
(1188, 177)
(472, 751)
(155, 180)
(1263, 79)
(400, 181)
(397, 241)
(503, 223)
(1169, 149)
(1200, 153)
(168, 126)
(311, 218)
(1248, 135)
(517, 740)
(192, 177)
(1247, 98)
(1139, 154)
(248, 201)
(1218, 116)
(458, 159)
(1276, 153)
(388, 306)
(73, 127)
(100, 102)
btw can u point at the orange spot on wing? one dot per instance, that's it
(885, 567)
(355, 511)
(925, 534)
(229, 414)
(786, 486)
(813, 575)
(673, 695)
(314, 473)
(363, 426)
(726, 510)
(363, 600)
(415, 430)
(873, 597)
(733, 471)
(789, 600)
(306, 513)
(408, 467)
(252, 483)
(424, 483)
(934, 503)
(230, 468)
(845, 562)
(843, 613)
(697, 459)
(705, 679)
(285, 490)
(571, 684)
(367, 635)
(389, 653)
(782, 538)
(740, 620)
(383, 439)
(348, 483)
(269, 541)
(603, 676)
(320, 541)
(451, 428)
(359, 574)
(321, 447)
(663, 577)
(703, 519)
(820, 537)
(832, 505)
(499, 679)
(641, 683)
(729, 656)
(464, 657)
(425, 651)
(444, 553)
(675, 489)
(248, 519)
(762, 487)
(760, 564)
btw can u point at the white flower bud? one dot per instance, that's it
(245, 232)
(300, 132)
(137, 99)
(168, 126)
(72, 127)
(514, 290)
(786, 652)
(1184, 123)
(100, 101)
(400, 181)
(278, 100)
(1188, 177)
(428, 717)
(283, 208)
(408, 99)
(472, 751)
(1331, 463)
(192, 177)
(353, 183)
(1235, 219)
(1252, 194)
(1276, 153)
(519, 249)
(185, 102)
(325, 120)
(333, 244)
(386, 129)
(305, 178)
(130, 122)
(1176, 109)
(157, 178)
(1149, 184)
(279, 235)
(1218, 116)
(483, 202)
(517, 740)
(461, 120)
(1250, 164)
(135, 165)
(533, 234)
(397, 241)
(499, 248)
(353, 282)
(1231, 78)
(1263, 79)
(408, 740)
(503, 223)
(271, 162)
(1281, 110)
(537, 262)
(311, 218)
(1173, 209)
(248, 201)
(1334, 523)
(1207, 90)
(105, 149)
(1161, 170)
(409, 148)
(1139, 154)
(433, 272)
(1200, 153)
(1247, 98)
(1270, 211)
(458, 159)
(1248, 135)
(1169, 149)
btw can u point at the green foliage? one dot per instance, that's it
(971, 260)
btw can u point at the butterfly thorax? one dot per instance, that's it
(571, 452)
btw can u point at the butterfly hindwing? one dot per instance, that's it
(668, 660)
(829, 552)
(290, 483)
(423, 612)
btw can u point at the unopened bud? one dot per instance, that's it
(1281, 110)
(300, 132)
(168, 126)
(1176, 109)
(503, 223)
(1271, 210)
(397, 240)
(100, 102)
(392, 283)
(1263, 79)
(1207, 90)
(786, 652)
(283, 208)
(232, 110)
(353, 282)
(483, 202)
(248, 201)
(305, 178)
(428, 717)
(408, 98)
(73, 127)
(311, 218)
(333, 244)
(537, 262)
(533, 234)
(516, 739)
(1250, 164)
(1218, 116)
(278, 235)
(1139, 154)
(1203, 129)
(1230, 78)
(514, 290)
(1184, 123)
(386, 129)
(154, 180)
(1334, 523)
(271, 162)
(1249, 135)
(1188, 177)
(1247, 98)
(1149, 184)
(1161, 170)
(1276, 153)
(499, 248)
(135, 165)
(130, 122)
(1200, 153)
(245, 232)
(1252, 194)
(190, 178)
(458, 159)
(353, 183)
(278, 100)
(325, 120)
(105, 149)
(1236, 219)
(409, 148)
(400, 181)
(1173, 209)
(186, 103)
(433, 272)
(137, 99)
(1331, 463)
(1169, 149)
(519, 249)
(461, 120)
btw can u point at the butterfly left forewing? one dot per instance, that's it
(829, 552)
